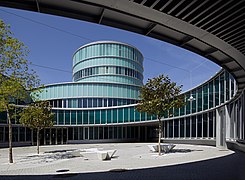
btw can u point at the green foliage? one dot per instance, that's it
(16, 79)
(159, 95)
(37, 115)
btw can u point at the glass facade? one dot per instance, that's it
(100, 103)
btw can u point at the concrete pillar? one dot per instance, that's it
(228, 121)
(220, 128)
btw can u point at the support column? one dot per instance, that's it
(220, 128)
(228, 122)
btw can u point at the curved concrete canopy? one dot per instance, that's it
(213, 29)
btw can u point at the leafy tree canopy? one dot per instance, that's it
(159, 95)
(37, 115)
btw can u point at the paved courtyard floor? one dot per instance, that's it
(131, 161)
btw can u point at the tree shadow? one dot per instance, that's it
(230, 167)
(183, 150)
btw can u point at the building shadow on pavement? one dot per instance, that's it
(231, 167)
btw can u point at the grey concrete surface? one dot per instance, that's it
(131, 161)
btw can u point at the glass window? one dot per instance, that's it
(81, 133)
(109, 116)
(96, 135)
(205, 125)
(120, 115)
(75, 133)
(89, 102)
(193, 126)
(114, 115)
(131, 109)
(176, 128)
(176, 112)
(60, 117)
(73, 117)
(67, 117)
(216, 81)
(105, 132)
(170, 129)
(188, 103)
(79, 117)
(97, 116)
(205, 97)
(91, 134)
(187, 127)
(199, 96)
(211, 97)
(99, 102)
(85, 103)
(182, 127)
(126, 114)
(95, 102)
(85, 117)
(137, 115)
(91, 117)
(199, 125)
(103, 116)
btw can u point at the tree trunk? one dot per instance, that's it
(38, 140)
(10, 137)
(160, 135)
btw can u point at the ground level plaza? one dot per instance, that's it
(131, 160)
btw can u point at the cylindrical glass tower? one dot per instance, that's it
(108, 62)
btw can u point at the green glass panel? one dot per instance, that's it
(182, 110)
(67, 117)
(131, 114)
(199, 99)
(73, 117)
(216, 81)
(143, 116)
(114, 115)
(91, 117)
(205, 97)
(211, 96)
(126, 114)
(79, 117)
(103, 116)
(97, 117)
(137, 115)
(109, 116)
(60, 117)
(176, 112)
(120, 115)
(188, 103)
(85, 117)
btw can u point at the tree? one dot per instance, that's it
(16, 79)
(158, 96)
(37, 115)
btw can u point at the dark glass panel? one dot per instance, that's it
(199, 125)
(193, 126)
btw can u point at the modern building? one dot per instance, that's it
(99, 105)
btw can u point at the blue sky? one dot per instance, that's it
(54, 48)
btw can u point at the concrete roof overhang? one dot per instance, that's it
(213, 29)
